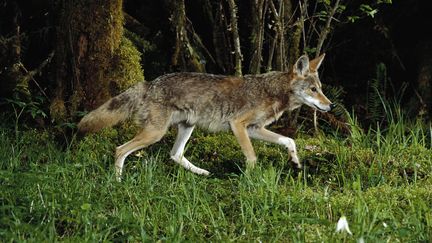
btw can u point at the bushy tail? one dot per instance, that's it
(115, 110)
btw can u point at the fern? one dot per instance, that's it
(338, 118)
(376, 94)
(335, 94)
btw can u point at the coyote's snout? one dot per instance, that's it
(246, 105)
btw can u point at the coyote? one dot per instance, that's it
(245, 104)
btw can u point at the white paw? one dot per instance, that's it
(201, 172)
(296, 161)
(118, 172)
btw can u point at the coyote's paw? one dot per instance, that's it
(118, 173)
(296, 161)
(250, 163)
(200, 171)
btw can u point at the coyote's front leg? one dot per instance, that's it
(269, 136)
(240, 132)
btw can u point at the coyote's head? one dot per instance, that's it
(307, 86)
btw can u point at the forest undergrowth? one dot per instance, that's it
(378, 178)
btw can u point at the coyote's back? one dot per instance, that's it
(212, 101)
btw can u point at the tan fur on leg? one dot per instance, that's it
(239, 130)
(143, 139)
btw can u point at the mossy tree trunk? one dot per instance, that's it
(88, 35)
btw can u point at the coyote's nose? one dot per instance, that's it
(332, 106)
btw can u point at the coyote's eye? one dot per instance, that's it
(314, 89)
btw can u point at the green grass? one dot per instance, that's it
(379, 179)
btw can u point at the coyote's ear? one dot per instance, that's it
(316, 63)
(301, 67)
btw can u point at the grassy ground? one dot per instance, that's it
(380, 180)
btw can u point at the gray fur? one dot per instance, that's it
(216, 102)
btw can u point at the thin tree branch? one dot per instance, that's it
(32, 73)
(326, 29)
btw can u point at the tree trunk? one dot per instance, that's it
(291, 51)
(236, 38)
(185, 54)
(88, 34)
(12, 79)
(285, 39)
(257, 35)
(221, 40)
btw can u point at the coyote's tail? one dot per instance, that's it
(115, 110)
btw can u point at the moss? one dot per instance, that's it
(97, 30)
(58, 109)
(94, 59)
(126, 66)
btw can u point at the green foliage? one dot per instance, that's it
(378, 178)
(23, 109)
(377, 93)
(32, 108)
(336, 95)
(382, 106)
(368, 10)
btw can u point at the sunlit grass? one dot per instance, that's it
(379, 179)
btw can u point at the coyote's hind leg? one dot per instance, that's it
(143, 139)
(183, 134)
(153, 129)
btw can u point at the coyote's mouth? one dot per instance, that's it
(320, 108)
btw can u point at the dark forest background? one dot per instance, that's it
(61, 58)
